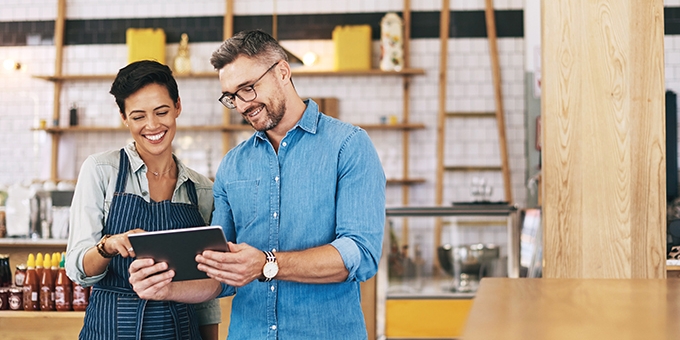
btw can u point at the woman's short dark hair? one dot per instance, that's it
(138, 74)
(253, 44)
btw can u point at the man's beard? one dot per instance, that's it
(275, 113)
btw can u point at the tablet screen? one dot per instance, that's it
(179, 247)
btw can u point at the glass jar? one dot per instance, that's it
(16, 298)
(20, 275)
(4, 298)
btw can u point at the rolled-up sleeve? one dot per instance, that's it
(86, 221)
(360, 207)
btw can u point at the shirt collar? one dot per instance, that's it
(309, 121)
(136, 163)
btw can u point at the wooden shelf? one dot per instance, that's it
(113, 76)
(372, 72)
(233, 127)
(473, 168)
(400, 126)
(296, 72)
(405, 181)
(27, 242)
(471, 114)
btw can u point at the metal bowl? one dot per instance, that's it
(471, 259)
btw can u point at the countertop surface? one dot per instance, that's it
(581, 309)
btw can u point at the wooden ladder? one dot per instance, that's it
(443, 115)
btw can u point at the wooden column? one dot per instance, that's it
(59, 25)
(498, 95)
(604, 175)
(228, 32)
(444, 27)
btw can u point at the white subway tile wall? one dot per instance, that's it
(24, 101)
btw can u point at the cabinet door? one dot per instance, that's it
(426, 318)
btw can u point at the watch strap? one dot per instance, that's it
(270, 256)
(102, 251)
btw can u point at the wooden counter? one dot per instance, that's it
(581, 309)
(20, 325)
(16, 325)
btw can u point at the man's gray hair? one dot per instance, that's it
(254, 44)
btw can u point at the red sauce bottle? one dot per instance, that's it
(81, 297)
(63, 289)
(31, 286)
(47, 287)
(39, 265)
(56, 258)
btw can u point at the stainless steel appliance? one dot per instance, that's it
(468, 264)
(43, 205)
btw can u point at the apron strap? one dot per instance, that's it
(191, 191)
(123, 166)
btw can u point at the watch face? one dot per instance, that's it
(270, 269)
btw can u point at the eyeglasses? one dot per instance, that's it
(246, 94)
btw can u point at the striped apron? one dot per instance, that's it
(115, 311)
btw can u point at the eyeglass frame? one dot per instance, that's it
(231, 97)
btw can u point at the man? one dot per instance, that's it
(302, 200)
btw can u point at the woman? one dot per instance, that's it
(141, 187)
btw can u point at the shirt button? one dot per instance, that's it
(275, 215)
(276, 178)
(284, 143)
(273, 327)
(272, 288)
(144, 193)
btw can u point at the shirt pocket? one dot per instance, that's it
(243, 201)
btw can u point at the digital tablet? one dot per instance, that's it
(179, 247)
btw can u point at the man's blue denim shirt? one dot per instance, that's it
(325, 185)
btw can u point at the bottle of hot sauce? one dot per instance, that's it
(63, 289)
(39, 265)
(56, 258)
(47, 287)
(31, 286)
(81, 297)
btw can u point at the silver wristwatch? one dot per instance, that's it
(271, 267)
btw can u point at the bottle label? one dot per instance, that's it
(27, 292)
(46, 298)
(14, 302)
(79, 297)
(59, 296)
(19, 279)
